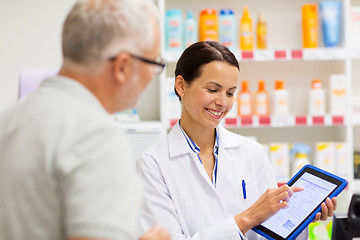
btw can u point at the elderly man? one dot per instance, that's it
(66, 172)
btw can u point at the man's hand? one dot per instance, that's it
(156, 233)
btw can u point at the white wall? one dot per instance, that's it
(30, 37)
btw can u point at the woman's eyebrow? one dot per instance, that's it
(215, 83)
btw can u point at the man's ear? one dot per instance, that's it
(122, 67)
(180, 85)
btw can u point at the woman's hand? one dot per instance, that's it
(269, 203)
(327, 210)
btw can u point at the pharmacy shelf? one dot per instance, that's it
(279, 121)
(318, 54)
(287, 121)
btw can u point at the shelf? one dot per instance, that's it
(274, 121)
(288, 121)
(317, 54)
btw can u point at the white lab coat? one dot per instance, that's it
(180, 196)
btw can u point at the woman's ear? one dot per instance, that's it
(180, 85)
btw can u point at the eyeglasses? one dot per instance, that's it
(159, 62)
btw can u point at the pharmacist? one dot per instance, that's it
(202, 181)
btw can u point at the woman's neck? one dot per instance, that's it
(203, 137)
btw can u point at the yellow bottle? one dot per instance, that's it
(246, 32)
(261, 32)
(310, 25)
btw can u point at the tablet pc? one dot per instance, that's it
(289, 222)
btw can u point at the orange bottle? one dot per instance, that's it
(244, 100)
(261, 100)
(208, 25)
(310, 25)
(246, 32)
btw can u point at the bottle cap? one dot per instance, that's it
(301, 155)
(208, 11)
(246, 11)
(244, 86)
(279, 84)
(190, 14)
(316, 84)
(226, 12)
(261, 85)
(261, 17)
(173, 12)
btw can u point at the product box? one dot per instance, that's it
(341, 160)
(338, 95)
(354, 28)
(356, 165)
(325, 156)
(279, 158)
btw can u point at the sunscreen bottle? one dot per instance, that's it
(173, 30)
(261, 100)
(281, 101)
(208, 25)
(261, 32)
(310, 25)
(246, 32)
(190, 30)
(244, 100)
(317, 98)
(227, 28)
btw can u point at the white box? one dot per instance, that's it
(279, 158)
(354, 28)
(325, 156)
(355, 105)
(338, 95)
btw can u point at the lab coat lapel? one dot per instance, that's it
(179, 146)
(225, 162)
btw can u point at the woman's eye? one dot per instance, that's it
(230, 94)
(212, 90)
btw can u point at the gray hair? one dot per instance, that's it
(95, 30)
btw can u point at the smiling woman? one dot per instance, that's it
(227, 177)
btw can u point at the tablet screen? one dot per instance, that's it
(301, 204)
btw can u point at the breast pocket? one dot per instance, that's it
(244, 197)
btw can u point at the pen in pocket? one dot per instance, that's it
(244, 188)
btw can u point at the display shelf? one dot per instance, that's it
(318, 54)
(276, 121)
(287, 121)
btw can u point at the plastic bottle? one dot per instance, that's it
(173, 30)
(281, 99)
(330, 22)
(227, 28)
(317, 98)
(208, 25)
(261, 100)
(244, 100)
(310, 26)
(246, 32)
(300, 151)
(190, 30)
(261, 32)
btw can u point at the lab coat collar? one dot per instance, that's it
(179, 146)
(75, 89)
